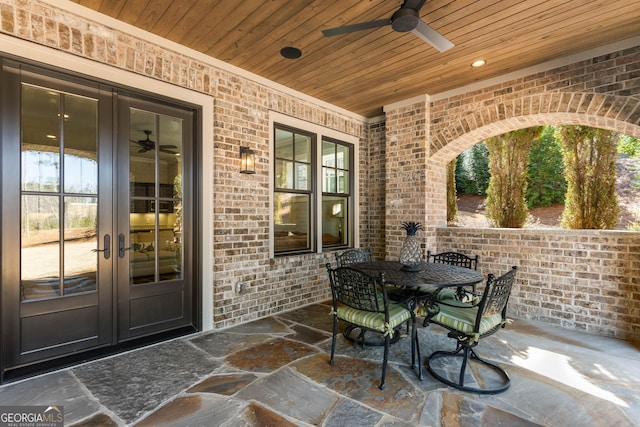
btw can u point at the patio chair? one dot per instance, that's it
(454, 258)
(361, 301)
(468, 324)
(395, 293)
(353, 256)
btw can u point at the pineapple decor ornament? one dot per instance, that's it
(410, 253)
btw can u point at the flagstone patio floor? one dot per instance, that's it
(275, 372)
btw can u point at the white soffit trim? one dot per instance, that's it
(91, 14)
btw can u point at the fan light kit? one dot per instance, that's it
(406, 19)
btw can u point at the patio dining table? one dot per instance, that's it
(425, 276)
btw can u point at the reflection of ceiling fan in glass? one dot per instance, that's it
(149, 145)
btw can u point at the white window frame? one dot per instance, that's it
(319, 131)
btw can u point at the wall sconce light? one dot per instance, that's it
(247, 160)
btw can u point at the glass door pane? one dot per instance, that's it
(59, 189)
(155, 197)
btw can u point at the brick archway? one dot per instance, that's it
(616, 113)
(603, 91)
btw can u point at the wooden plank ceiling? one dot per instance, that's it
(365, 70)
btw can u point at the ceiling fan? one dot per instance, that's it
(148, 145)
(405, 19)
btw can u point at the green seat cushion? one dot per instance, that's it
(398, 314)
(462, 318)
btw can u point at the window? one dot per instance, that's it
(312, 191)
(292, 199)
(336, 189)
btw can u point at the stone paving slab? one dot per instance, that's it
(291, 394)
(360, 380)
(58, 388)
(195, 410)
(269, 356)
(136, 382)
(221, 344)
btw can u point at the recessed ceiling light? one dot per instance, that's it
(50, 136)
(290, 52)
(478, 63)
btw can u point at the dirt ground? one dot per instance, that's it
(471, 207)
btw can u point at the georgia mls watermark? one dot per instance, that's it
(31, 416)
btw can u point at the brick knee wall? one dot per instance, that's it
(580, 279)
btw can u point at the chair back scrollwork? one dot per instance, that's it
(454, 258)
(496, 294)
(353, 256)
(358, 290)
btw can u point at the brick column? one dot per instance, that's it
(408, 175)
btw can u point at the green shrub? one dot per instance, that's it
(629, 145)
(508, 161)
(452, 202)
(590, 169)
(545, 176)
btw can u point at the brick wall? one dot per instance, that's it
(241, 203)
(579, 279)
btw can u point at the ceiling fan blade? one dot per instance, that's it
(168, 146)
(431, 36)
(356, 27)
(168, 151)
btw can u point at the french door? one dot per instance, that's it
(96, 217)
(154, 222)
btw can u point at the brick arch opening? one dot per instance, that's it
(582, 279)
(616, 113)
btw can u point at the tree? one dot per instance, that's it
(590, 169)
(472, 170)
(545, 175)
(480, 167)
(461, 173)
(508, 160)
(452, 202)
(629, 145)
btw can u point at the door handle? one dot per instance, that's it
(121, 248)
(107, 247)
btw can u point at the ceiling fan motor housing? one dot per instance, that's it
(404, 20)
